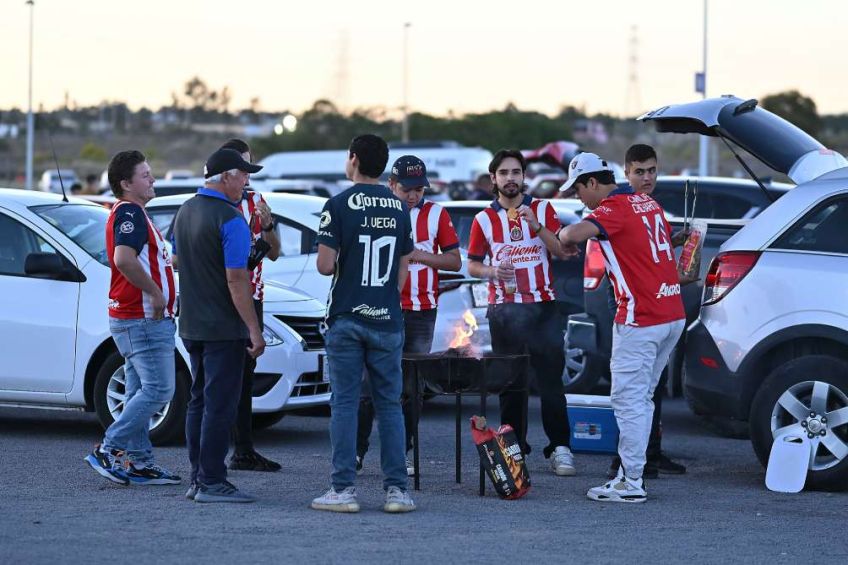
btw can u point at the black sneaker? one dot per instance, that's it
(649, 472)
(668, 467)
(252, 461)
(151, 474)
(108, 465)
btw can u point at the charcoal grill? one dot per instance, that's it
(456, 372)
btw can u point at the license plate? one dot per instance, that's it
(325, 369)
(480, 292)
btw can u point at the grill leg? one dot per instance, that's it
(458, 442)
(483, 394)
(415, 416)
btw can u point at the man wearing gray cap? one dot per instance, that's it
(218, 322)
(635, 239)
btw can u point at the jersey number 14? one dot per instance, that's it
(372, 274)
(657, 238)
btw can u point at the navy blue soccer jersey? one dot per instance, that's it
(370, 229)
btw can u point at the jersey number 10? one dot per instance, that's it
(371, 275)
(657, 238)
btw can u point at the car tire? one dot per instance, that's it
(581, 372)
(108, 390)
(807, 383)
(265, 420)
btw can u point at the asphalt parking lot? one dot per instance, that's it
(53, 508)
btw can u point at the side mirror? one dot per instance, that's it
(51, 266)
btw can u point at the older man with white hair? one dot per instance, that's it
(218, 322)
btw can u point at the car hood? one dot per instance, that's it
(276, 292)
(779, 144)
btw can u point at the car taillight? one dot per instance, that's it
(593, 266)
(726, 270)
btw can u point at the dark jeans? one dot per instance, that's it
(243, 430)
(418, 328)
(216, 369)
(535, 329)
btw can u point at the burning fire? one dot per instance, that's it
(464, 330)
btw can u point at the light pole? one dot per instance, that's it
(30, 120)
(404, 135)
(703, 148)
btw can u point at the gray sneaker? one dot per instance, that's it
(221, 492)
(398, 501)
(562, 462)
(344, 501)
(192, 491)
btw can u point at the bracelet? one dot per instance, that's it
(539, 230)
(269, 228)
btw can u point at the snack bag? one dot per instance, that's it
(501, 458)
(689, 264)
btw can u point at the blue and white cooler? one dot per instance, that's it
(593, 426)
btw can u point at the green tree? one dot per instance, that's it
(796, 108)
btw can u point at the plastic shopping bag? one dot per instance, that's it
(689, 264)
(501, 458)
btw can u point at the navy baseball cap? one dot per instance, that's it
(226, 160)
(410, 172)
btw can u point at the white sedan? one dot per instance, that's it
(56, 348)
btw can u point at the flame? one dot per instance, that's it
(464, 330)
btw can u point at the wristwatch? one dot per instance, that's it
(269, 228)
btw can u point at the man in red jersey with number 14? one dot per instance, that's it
(635, 240)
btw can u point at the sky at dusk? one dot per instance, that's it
(464, 55)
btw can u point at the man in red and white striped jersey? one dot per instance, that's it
(266, 245)
(436, 248)
(511, 244)
(141, 321)
(636, 242)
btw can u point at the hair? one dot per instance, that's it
(219, 178)
(602, 177)
(505, 154)
(373, 154)
(639, 152)
(239, 145)
(122, 168)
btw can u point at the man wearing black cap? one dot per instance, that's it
(218, 322)
(436, 248)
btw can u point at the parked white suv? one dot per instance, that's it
(54, 328)
(771, 344)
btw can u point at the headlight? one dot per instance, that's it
(271, 338)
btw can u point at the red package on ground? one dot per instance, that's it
(501, 458)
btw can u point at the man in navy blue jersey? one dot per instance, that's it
(364, 242)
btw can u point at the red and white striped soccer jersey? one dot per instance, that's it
(129, 225)
(248, 208)
(635, 239)
(432, 231)
(494, 235)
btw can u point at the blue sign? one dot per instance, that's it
(701, 83)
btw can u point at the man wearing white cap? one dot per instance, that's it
(635, 240)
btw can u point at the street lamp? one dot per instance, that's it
(404, 135)
(30, 120)
(703, 147)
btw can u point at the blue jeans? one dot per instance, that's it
(351, 347)
(216, 370)
(148, 350)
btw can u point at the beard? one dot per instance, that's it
(510, 190)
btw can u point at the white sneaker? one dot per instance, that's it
(358, 465)
(562, 462)
(344, 501)
(620, 489)
(410, 468)
(398, 501)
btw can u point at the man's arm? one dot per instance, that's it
(238, 281)
(503, 272)
(403, 271)
(126, 261)
(448, 261)
(326, 259)
(271, 237)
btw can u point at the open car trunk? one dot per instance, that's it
(779, 144)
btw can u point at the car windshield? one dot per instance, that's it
(84, 224)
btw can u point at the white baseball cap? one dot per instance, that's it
(580, 165)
